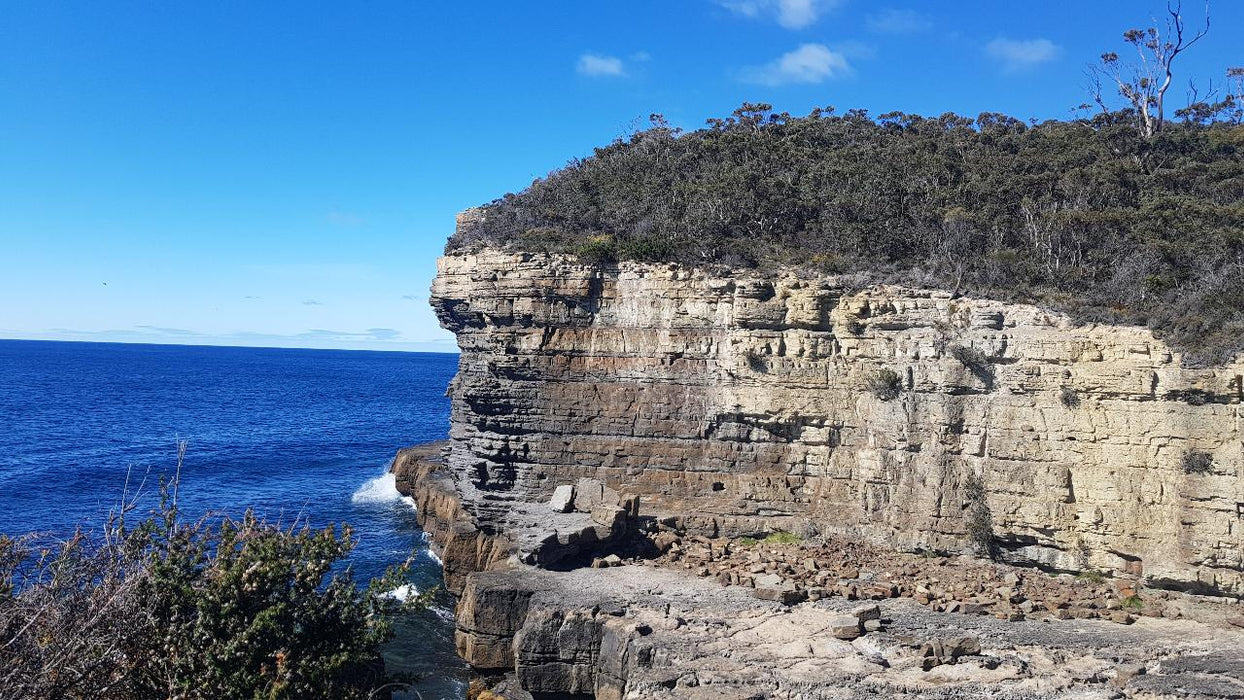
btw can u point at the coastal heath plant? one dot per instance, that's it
(219, 607)
(978, 519)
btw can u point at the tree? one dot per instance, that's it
(1144, 84)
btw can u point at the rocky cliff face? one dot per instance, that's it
(737, 403)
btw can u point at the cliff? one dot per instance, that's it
(733, 403)
(668, 482)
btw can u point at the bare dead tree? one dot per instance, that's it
(1235, 81)
(1145, 82)
(1235, 93)
(1194, 92)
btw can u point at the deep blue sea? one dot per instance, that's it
(291, 433)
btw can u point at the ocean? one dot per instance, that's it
(290, 433)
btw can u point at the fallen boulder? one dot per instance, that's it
(563, 499)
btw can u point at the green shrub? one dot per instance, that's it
(976, 362)
(644, 249)
(217, 608)
(978, 519)
(1197, 462)
(598, 250)
(885, 384)
(1197, 397)
(756, 362)
(1068, 397)
(782, 537)
(1133, 602)
(546, 239)
(1091, 576)
(747, 541)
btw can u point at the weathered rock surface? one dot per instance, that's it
(563, 499)
(738, 404)
(463, 547)
(655, 630)
(644, 632)
(615, 433)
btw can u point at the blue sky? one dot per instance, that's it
(285, 173)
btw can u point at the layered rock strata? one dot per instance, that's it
(666, 627)
(532, 533)
(647, 630)
(638, 418)
(735, 403)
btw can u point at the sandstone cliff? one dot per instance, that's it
(738, 403)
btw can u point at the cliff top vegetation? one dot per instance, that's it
(1122, 216)
(1087, 216)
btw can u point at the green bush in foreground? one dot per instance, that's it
(217, 608)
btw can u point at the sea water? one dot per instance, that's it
(290, 433)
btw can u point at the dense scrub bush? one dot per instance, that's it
(1197, 462)
(756, 362)
(885, 384)
(218, 608)
(1092, 577)
(1089, 216)
(598, 249)
(978, 517)
(1196, 397)
(976, 362)
(1068, 397)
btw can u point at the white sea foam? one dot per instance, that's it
(404, 592)
(433, 557)
(381, 489)
(410, 502)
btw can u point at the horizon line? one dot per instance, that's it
(455, 351)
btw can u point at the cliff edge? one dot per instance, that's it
(657, 422)
(746, 404)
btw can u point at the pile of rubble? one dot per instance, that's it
(790, 572)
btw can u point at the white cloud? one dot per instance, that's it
(853, 50)
(595, 65)
(810, 63)
(792, 14)
(893, 21)
(1018, 54)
